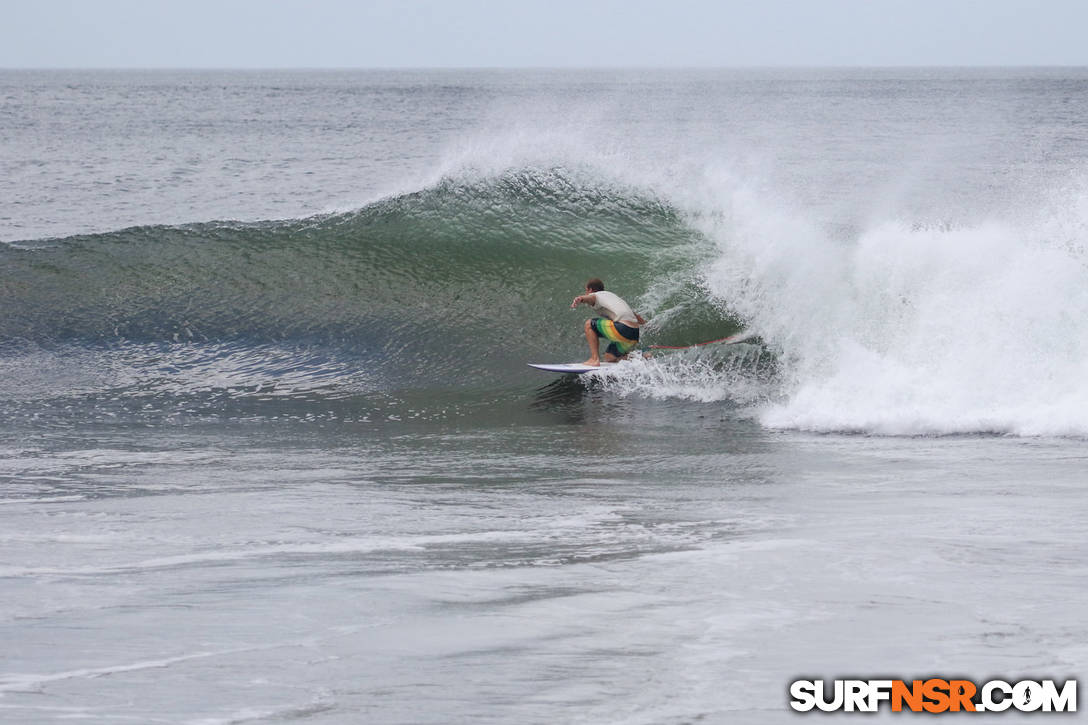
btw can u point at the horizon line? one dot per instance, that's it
(895, 66)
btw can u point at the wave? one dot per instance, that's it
(462, 281)
(880, 326)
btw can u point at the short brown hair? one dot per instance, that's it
(595, 285)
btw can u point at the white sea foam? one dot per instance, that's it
(913, 328)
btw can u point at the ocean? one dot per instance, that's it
(270, 449)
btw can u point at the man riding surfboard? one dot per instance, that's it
(618, 324)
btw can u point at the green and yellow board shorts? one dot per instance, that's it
(623, 338)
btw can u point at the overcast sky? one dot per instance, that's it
(548, 33)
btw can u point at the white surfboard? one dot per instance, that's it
(574, 368)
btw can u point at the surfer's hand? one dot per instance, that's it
(576, 301)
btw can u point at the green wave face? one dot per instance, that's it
(463, 281)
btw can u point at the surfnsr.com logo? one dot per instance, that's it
(934, 695)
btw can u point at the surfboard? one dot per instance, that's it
(572, 368)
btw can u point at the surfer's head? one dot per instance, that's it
(595, 285)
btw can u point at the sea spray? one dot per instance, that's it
(913, 328)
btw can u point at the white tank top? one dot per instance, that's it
(614, 308)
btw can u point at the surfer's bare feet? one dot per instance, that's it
(592, 363)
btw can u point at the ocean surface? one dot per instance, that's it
(270, 450)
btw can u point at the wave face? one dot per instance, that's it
(455, 285)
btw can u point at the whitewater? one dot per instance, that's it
(270, 449)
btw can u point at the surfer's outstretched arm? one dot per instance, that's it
(588, 299)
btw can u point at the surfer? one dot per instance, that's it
(617, 323)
